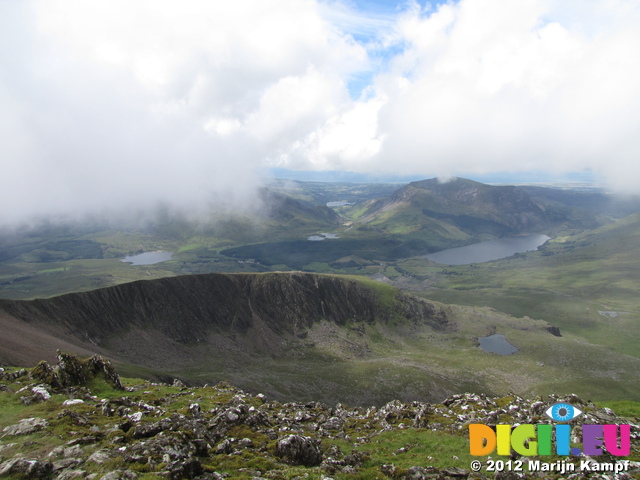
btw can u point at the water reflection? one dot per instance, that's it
(148, 258)
(322, 236)
(496, 344)
(488, 250)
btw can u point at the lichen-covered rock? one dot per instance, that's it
(120, 475)
(26, 426)
(45, 373)
(71, 474)
(99, 456)
(26, 468)
(71, 371)
(189, 468)
(299, 450)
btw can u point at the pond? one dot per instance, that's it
(322, 236)
(488, 250)
(148, 258)
(496, 344)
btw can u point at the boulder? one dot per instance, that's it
(26, 468)
(299, 450)
(120, 475)
(189, 468)
(26, 426)
(72, 371)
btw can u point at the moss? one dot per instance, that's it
(115, 434)
(139, 467)
(271, 447)
(244, 431)
(504, 401)
(44, 373)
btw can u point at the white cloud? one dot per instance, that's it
(114, 102)
(488, 85)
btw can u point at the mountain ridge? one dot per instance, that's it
(292, 335)
(285, 301)
(472, 208)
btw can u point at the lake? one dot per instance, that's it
(496, 344)
(488, 250)
(322, 236)
(148, 258)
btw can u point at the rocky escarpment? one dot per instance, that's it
(151, 430)
(188, 308)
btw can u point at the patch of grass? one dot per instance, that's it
(190, 246)
(413, 447)
(52, 270)
(10, 408)
(623, 408)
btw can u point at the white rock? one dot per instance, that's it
(135, 417)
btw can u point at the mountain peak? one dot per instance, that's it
(460, 207)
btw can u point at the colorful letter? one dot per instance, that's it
(519, 437)
(611, 439)
(563, 439)
(482, 439)
(592, 439)
(544, 439)
(503, 432)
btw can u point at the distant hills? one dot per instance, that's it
(371, 226)
(458, 208)
(427, 216)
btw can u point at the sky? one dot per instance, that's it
(105, 104)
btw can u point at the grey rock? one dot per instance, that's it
(189, 468)
(26, 426)
(334, 423)
(75, 451)
(245, 443)
(178, 383)
(65, 463)
(224, 447)
(421, 473)
(299, 450)
(195, 410)
(26, 468)
(99, 456)
(120, 475)
(71, 474)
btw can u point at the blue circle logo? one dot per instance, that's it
(563, 412)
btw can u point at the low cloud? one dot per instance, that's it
(111, 103)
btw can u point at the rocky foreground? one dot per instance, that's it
(78, 419)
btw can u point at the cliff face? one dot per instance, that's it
(188, 308)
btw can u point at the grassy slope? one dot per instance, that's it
(568, 284)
